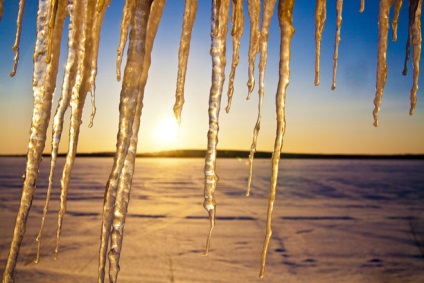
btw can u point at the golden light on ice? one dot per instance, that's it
(167, 131)
(139, 25)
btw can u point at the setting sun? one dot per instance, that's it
(167, 131)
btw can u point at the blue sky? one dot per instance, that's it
(318, 120)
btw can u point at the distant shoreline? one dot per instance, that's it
(189, 153)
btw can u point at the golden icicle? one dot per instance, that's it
(253, 8)
(125, 179)
(398, 5)
(190, 10)
(15, 47)
(383, 31)
(320, 16)
(125, 23)
(1, 9)
(127, 108)
(362, 6)
(416, 40)
(44, 83)
(238, 26)
(63, 5)
(268, 11)
(413, 5)
(339, 9)
(218, 76)
(285, 16)
(52, 20)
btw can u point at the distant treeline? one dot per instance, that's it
(197, 153)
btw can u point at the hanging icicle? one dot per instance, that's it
(127, 13)
(398, 5)
(15, 47)
(219, 35)
(237, 20)
(44, 83)
(383, 31)
(339, 9)
(253, 8)
(362, 6)
(190, 10)
(263, 49)
(285, 17)
(320, 16)
(1, 9)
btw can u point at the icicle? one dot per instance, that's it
(125, 23)
(15, 47)
(253, 8)
(58, 121)
(285, 16)
(238, 26)
(383, 30)
(263, 49)
(339, 9)
(220, 15)
(129, 100)
(190, 10)
(362, 6)
(125, 179)
(1, 9)
(320, 16)
(416, 39)
(52, 20)
(44, 82)
(398, 5)
(413, 5)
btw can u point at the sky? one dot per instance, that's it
(319, 120)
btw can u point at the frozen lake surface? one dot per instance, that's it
(334, 221)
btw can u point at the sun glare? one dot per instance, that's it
(167, 131)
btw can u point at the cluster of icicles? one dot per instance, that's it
(140, 20)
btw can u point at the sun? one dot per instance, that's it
(167, 131)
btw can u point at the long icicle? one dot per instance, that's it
(1, 9)
(285, 16)
(52, 21)
(220, 14)
(127, 13)
(125, 179)
(320, 16)
(44, 83)
(236, 33)
(398, 5)
(129, 97)
(15, 47)
(416, 40)
(339, 9)
(413, 5)
(253, 8)
(190, 10)
(268, 11)
(76, 103)
(58, 118)
(362, 8)
(383, 31)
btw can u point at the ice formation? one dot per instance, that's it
(140, 21)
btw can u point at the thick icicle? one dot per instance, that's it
(395, 20)
(339, 9)
(320, 16)
(253, 8)
(129, 100)
(125, 24)
(15, 47)
(220, 15)
(383, 31)
(238, 26)
(285, 16)
(125, 179)
(362, 6)
(416, 39)
(58, 119)
(44, 83)
(190, 10)
(413, 5)
(263, 49)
